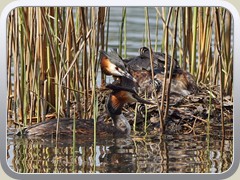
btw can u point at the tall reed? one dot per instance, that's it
(165, 71)
(171, 65)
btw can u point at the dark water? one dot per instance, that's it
(170, 153)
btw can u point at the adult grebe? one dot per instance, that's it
(117, 98)
(183, 82)
(112, 64)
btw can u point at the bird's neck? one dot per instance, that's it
(119, 120)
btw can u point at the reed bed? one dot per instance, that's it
(53, 61)
(53, 55)
(204, 36)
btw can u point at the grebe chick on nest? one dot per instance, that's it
(117, 98)
(142, 62)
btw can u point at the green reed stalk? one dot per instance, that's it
(84, 62)
(49, 80)
(26, 55)
(44, 100)
(194, 29)
(146, 27)
(203, 41)
(180, 32)
(57, 57)
(51, 58)
(125, 35)
(92, 63)
(69, 58)
(124, 12)
(164, 28)
(108, 22)
(145, 116)
(207, 64)
(24, 92)
(76, 62)
(227, 23)
(156, 33)
(189, 38)
(9, 64)
(183, 63)
(199, 38)
(208, 126)
(101, 33)
(16, 69)
(151, 58)
(21, 93)
(74, 143)
(95, 113)
(94, 94)
(135, 118)
(42, 55)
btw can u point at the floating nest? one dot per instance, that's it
(196, 113)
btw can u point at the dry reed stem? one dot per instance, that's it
(171, 66)
(220, 60)
(165, 71)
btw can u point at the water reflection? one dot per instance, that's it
(151, 154)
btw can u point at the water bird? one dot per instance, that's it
(183, 82)
(112, 64)
(142, 62)
(84, 127)
(139, 67)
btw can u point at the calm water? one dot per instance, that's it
(152, 154)
(171, 153)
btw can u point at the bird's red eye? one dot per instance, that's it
(116, 68)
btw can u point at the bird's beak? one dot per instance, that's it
(126, 74)
(130, 77)
(103, 52)
(141, 100)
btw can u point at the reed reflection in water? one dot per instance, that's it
(171, 154)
